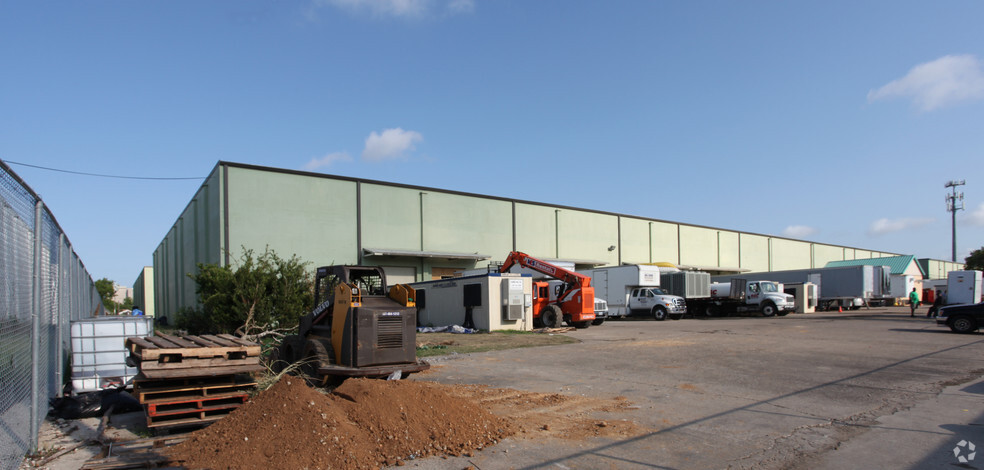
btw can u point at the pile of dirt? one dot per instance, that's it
(364, 423)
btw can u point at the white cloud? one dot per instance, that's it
(327, 161)
(799, 231)
(401, 8)
(883, 226)
(391, 144)
(945, 81)
(977, 216)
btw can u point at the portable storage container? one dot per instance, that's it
(963, 287)
(687, 284)
(497, 301)
(99, 351)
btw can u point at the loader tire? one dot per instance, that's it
(552, 317)
(291, 348)
(273, 361)
(315, 355)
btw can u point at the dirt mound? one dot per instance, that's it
(364, 424)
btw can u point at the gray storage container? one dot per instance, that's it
(99, 351)
(687, 284)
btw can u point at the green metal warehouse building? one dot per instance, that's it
(420, 233)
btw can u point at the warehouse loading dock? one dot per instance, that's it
(493, 301)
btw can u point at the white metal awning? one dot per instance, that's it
(693, 267)
(423, 254)
(587, 262)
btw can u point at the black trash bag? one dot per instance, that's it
(93, 404)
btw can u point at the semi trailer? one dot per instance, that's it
(841, 286)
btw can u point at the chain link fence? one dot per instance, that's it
(43, 287)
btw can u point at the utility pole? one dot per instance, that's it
(954, 202)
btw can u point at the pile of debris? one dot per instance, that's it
(364, 423)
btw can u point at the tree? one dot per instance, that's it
(975, 260)
(107, 289)
(261, 296)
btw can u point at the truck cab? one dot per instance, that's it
(763, 293)
(746, 296)
(654, 301)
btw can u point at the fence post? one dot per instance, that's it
(36, 326)
(59, 318)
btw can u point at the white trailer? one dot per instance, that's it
(902, 284)
(634, 289)
(492, 301)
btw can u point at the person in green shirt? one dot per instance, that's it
(913, 302)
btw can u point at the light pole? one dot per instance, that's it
(954, 202)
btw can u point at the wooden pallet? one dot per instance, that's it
(168, 348)
(140, 453)
(160, 408)
(147, 391)
(168, 356)
(190, 418)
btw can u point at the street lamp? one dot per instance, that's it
(954, 202)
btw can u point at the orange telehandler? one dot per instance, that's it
(574, 301)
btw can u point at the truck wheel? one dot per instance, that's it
(552, 316)
(963, 325)
(597, 321)
(659, 313)
(582, 324)
(768, 309)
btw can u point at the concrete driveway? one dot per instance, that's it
(863, 389)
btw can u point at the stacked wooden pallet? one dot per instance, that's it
(192, 380)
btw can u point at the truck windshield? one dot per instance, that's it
(657, 291)
(769, 287)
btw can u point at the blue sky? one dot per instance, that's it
(836, 122)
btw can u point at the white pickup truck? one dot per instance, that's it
(655, 302)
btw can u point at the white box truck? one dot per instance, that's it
(634, 289)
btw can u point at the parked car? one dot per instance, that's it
(966, 318)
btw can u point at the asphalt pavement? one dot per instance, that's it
(861, 389)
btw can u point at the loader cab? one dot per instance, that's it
(541, 296)
(371, 281)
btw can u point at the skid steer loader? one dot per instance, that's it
(356, 329)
